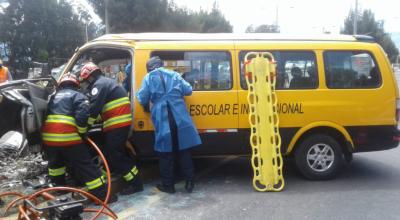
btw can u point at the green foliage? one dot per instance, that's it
(367, 25)
(42, 55)
(264, 28)
(159, 16)
(40, 30)
(214, 21)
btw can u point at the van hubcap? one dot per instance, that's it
(320, 157)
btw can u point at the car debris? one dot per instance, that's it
(21, 159)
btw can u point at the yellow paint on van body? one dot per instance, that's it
(305, 109)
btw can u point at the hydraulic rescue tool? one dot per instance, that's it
(263, 117)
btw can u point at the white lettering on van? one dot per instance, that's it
(243, 109)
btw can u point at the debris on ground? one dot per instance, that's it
(11, 145)
(16, 168)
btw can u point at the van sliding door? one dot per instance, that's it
(213, 104)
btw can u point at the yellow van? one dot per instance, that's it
(337, 95)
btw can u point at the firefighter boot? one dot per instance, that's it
(189, 186)
(101, 193)
(166, 189)
(133, 186)
(57, 180)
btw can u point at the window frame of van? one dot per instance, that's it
(370, 53)
(206, 51)
(282, 89)
(130, 50)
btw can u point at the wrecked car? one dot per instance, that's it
(22, 107)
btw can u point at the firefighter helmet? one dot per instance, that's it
(69, 78)
(87, 70)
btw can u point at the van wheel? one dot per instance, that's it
(319, 157)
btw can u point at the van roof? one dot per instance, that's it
(230, 36)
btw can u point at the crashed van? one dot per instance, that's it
(337, 94)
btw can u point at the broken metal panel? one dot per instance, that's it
(20, 157)
(29, 98)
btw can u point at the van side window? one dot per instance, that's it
(204, 70)
(295, 70)
(351, 69)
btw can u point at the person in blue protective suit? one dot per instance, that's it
(127, 81)
(175, 132)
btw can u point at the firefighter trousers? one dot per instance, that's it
(116, 154)
(76, 157)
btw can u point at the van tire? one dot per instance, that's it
(319, 157)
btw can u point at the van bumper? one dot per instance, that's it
(374, 138)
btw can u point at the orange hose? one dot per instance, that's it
(12, 203)
(88, 195)
(11, 194)
(32, 212)
(23, 213)
(48, 196)
(108, 175)
(96, 210)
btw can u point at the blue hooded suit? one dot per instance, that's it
(152, 91)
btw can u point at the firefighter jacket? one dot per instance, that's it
(111, 102)
(67, 116)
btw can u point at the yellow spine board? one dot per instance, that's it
(264, 139)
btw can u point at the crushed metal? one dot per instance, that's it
(17, 164)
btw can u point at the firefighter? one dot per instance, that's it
(4, 73)
(110, 101)
(175, 132)
(63, 129)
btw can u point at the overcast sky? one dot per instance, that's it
(299, 16)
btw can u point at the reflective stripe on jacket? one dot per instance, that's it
(68, 112)
(111, 101)
(116, 114)
(60, 130)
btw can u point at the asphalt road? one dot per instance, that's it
(368, 188)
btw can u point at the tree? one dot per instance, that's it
(367, 25)
(159, 16)
(214, 21)
(264, 28)
(39, 31)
